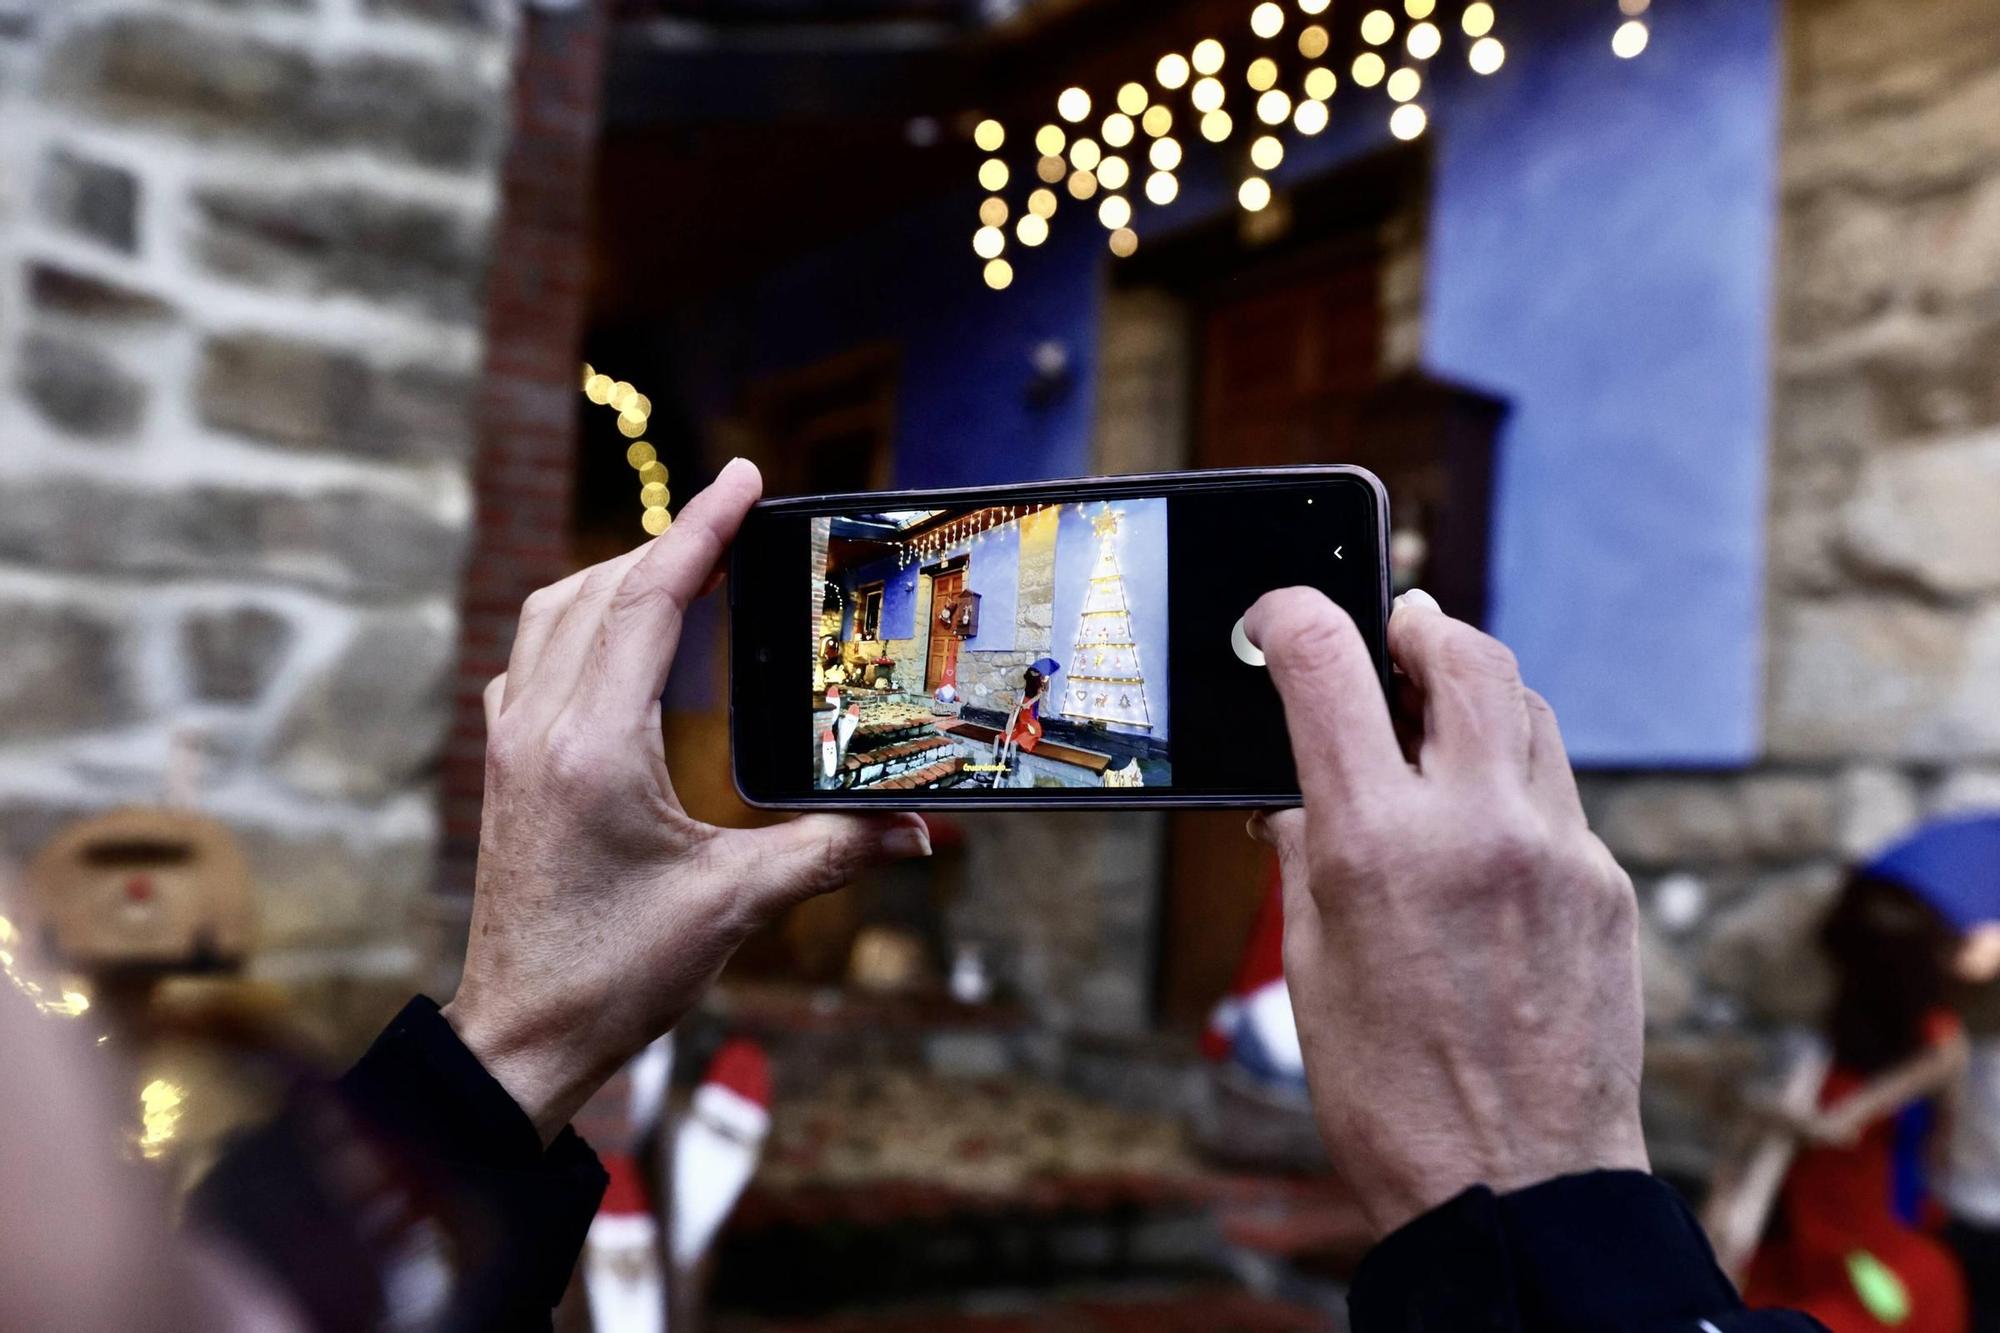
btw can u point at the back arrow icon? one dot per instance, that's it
(1336, 552)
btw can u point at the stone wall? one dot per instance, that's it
(1883, 689)
(243, 257)
(993, 679)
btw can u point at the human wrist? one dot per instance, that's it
(549, 1073)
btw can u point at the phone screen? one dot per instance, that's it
(1060, 644)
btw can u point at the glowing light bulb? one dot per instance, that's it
(1404, 85)
(1321, 83)
(1425, 41)
(993, 174)
(1630, 39)
(1115, 212)
(1267, 20)
(1132, 98)
(1377, 26)
(1419, 9)
(1051, 169)
(1255, 195)
(1042, 204)
(988, 242)
(1166, 154)
(1208, 94)
(993, 213)
(1085, 153)
(1163, 187)
(1114, 173)
(1031, 230)
(990, 135)
(1216, 126)
(1477, 19)
(1172, 71)
(1634, 8)
(1369, 69)
(999, 275)
(1266, 154)
(1124, 242)
(1208, 56)
(1313, 42)
(1314, 6)
(1486, 55)
(1073, 105)
(1082, 184)
(1262, 73)
(1158, 121)
(1050, 140)
(1311, 117)
(642, 455)
(598, 390)
(1408, 121)
(1274, 107)
(589, 374)
(1119, 130)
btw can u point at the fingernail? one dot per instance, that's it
(1420, 599)
(906, 843)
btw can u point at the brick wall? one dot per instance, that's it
(243, 257)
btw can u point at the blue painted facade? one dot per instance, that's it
(1600, 251)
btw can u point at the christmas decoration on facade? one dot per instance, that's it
(635, 411)
(1112, 689)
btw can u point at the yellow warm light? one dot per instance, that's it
(589, 374)
(1419, 9)
(1208, 56)
(1042, 203)
(160, 1105)
(1274, 107)
(1163, 187)
(656, 521)
(1408, 121)
(1051, 169)
(1321, 83)
(641, 454)
(1425, 41)
(1314, 6)
(1082, 184)
(1313, 42)
(1369, 69)
(1311, 117)
(1255, 195)
(631, 427)
(1172, 71)
(1478, 19)
(1267, 153)
(993, 213)
(1216, 126)
(653, 474)
(1486, 55)
(1158, 121)
(990, 135)
(1114, 173)
(1031, 230)
(988, 242)
(993, 175)
(1132, 98)
(598, 390)
(1377, 26)
(1267, 20)
(622, 396)
(1634, 8)
(999, 275)
(1166, 154)
(1050, 140)
(1085, 154)
(1124, 242)
(654, 495)
(1119, 130)
(1404, 85)
(1208, 95)
(1074, 105)
(1630, 39)
(1262, 74)
(1115, 212)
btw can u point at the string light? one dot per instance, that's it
(1042, 204)
(1313, 42)
(1084, 154)
(1074, 105)
(1487, 55)
(1311, 117)
(1031, 230)
(1630, 39)
(999, 275)
(1266, 154)
(1051, 169)
(1132, 98)
(1369, 69)
(1408, 121)
(1274, 107)
(1216, 126)
(1404, 85)
(988, 242)
(1162, 187)
(1114, 173)
(1158, 121)
(1377, 27)
(1119, 130)
(1313, 6)
(1082, 185)
(990, 136)
(1166, 154)
(1124, 242)
(1208, 56)
(1419, 9)
(1051, 140)
(1254, 195)
(1172, 72)
(1424, 41)
(993, 213)
(1209, 95)
(1115, 212)
(1262, 73)
(1477, 20)
(993, 175)
(1321, 83)
(635, 412)
(1267, 20)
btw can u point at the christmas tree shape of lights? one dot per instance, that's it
(1106, 683)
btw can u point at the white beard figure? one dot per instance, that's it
(622, 1269)
(718, 1146)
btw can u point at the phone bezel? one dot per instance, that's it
(1162, 484)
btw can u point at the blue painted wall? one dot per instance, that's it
(1142, 559)
(995, 574)
(1601, 252)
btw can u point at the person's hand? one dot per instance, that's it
(602, 910)
(1462, 953)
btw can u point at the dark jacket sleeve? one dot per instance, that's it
(415, 1161)
(1608, 1252)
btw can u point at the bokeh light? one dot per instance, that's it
(1377, 27)
(1074, 105)
(1408, 121)
(1313, 42)
(1124, 242)
(990, 135)
(1208, 56)
(1486, 55)
(993, 174)
(1254, 195)
(1321, 83)
(1172, 71)
(1404, 85)
(1217, 126)
(1208, 95)
(1158, 121)
(993, 213)
(988, 242)
(1114, 173)
(1477, 19)
(1042, 204)
(1031, 230)
(1266, 154)
(1163, 187)
(1082, 184)
(1119, 130)
(1132, 98)
(1311, 117)
(1424, 41)
(1267, 20)
(1630, 39)
(1369, 69)
(1051, 140)
(1262, 73)
(1166, 154)
(999, 275)
(1115, 212)
(1275, 107)
(1085, 153)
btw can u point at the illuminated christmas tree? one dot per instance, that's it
(1106, 683)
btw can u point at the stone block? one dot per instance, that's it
(1884, 678)
(92, 199)
(348, 540)
(233, 655)
(323, 889)
(302, 395)
(1764, 952)
(1672, 822)
(1930, 516)
(155, 69)
(1788, 817)
(63, 668)
(346, 241)
(1667, 982)
(81, 391)
(372, 722)
(55, 290)
(1877, 806)
(1843, 262)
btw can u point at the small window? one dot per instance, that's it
(871, 613)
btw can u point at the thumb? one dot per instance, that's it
(789, 863)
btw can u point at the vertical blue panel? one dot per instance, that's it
(995, 574)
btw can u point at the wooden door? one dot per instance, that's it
(941, 664)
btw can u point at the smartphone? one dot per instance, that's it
(1056, 645)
